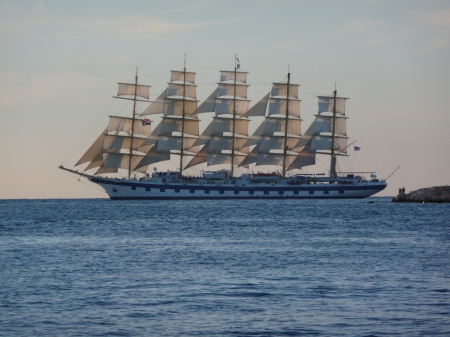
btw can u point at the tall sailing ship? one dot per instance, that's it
(231, 154)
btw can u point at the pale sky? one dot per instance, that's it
(61, 61)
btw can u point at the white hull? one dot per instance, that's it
(240, 189)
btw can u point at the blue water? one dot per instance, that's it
(224, 268)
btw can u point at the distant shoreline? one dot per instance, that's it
(435, 194)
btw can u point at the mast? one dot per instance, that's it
(183, 113)
(286, 126)
(178, 130)
(124, 142)
(132, 124)
(228, 132)
(277, 138)
(234, 117)
(333, 156)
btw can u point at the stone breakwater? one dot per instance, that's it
(436, 194)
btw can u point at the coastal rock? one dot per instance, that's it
(436, 194)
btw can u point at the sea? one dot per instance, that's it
(96, 267)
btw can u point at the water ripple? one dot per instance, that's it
(224, 268)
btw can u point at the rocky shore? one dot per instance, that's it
(436, 194)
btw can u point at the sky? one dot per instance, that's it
(61, 61)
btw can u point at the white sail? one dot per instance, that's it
(218, 143)
(113, 142)
(124, 137)
(150, 158)
(277, 143)
(280, 89)
(229, 127)
(251, 157)
(226, 75)
(116, 143)
(220, 159)
(171, 125)
(227, 106)
(228, 89)
(124, 124)
(179, 128)
(93, 151)
(200, 157)
(277, 138)
(180, 76)
(320, 134)
(306, 136)
(120, 160)
(157, 106)
(275, 159)
(222, 125)
(175, 107)
(255, 138)
(325, 124)
(154, 136)
(103, 170)
(304, 158)
(173, 143)
(209, 104)
(278, 107)
(260, 108)
(326, 104)
(273, 125)
(324, 143)
(180, 90)
(206, 135)
(128, 89)
(97, 161)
